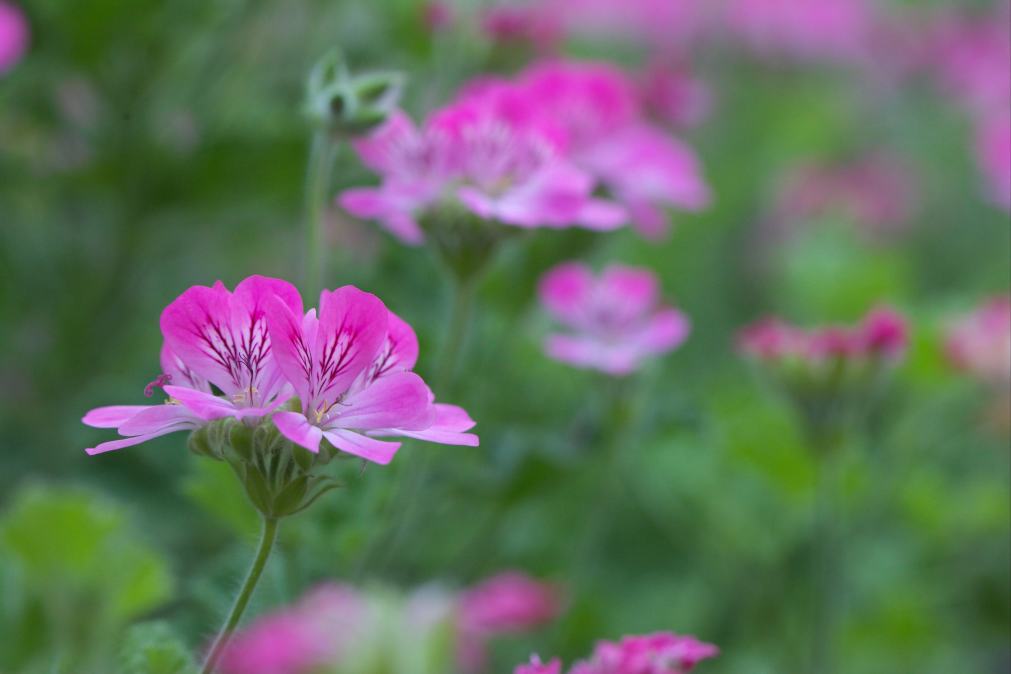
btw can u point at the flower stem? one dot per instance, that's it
(825, 569)
(267, 538)
(317, 183)
(456, 335)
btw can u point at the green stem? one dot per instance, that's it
(267, 538)
(456, 335)
(317, 181)
(826, 576)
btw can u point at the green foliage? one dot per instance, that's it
(154, 648)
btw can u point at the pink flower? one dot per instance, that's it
(673, 95)
(837, 30)
(993, 150)
(535, 666)
(597, 111)
(297, 640)
(660, 653)
(488, 152)
(882, 335)
(212, 336)
(876, 191)
(970, 57)
(13, 35)
(509, 602)
(350, 368)
(980, 342)
(615, 319)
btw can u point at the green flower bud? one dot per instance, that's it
(347, 104)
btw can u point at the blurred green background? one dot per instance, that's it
(149, 146)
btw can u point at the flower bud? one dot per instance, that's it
(346, 104)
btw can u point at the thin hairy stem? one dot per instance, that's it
(317, 185)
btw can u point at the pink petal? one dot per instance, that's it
(112, 416)
(565, 289)
(297, 428)
(667, 330)
(398, 400)
(628, 291)
(129, 442)
(291, 347)
(179, 372)
(158, 417)
(399, 352)
(382, 149)
(204, 405)
(377, 451)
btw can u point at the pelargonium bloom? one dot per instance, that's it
(507, 603)
(659, 653)
(882, 334)
(980, 342)
(13, 35)
(597, 110)
(350, 367)
(615, 319)
(486, 153)
(993, 152)
(316, 631)
(212, 336)
(835, 30)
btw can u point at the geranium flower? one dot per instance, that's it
(13, 35)
(350, 368)
(537, 666)
(660, 653)
(980, 342)
(212, 336)
(615, 319)
(485, 153)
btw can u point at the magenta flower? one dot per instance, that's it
(212, 336)
(350, 368)
(980, 342)
(597, 111)
(877, 192)
(536, 666)
(660, 653)
(882, 334)
(507, 603)
(314, 632)
(488, 153)
(615, 320)
(673, 95)
(836, 30)
(13, 35)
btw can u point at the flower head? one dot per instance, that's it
(615, 320)
(13, 35)
(980, 342)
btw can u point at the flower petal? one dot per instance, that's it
(158, 417)
(377, 451)
(297, 428)
(112, 416)
(398, 400)
(665, 331)
(566, 289)
(113, 445)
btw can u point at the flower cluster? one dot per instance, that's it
(876, 192)
(614, 319)
(337, 626)
(980, 343)
(969, 58)
(530, 152)
(659, 653)
(239, 367)
(13, 35)
(829, 373)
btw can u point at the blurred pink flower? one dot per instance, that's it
(660, 653)
(536, 666)
(489, 152)
(980, 342)
(673, 95)
(529, 22)
(993, 151)
(615, 319)
(507, 603)
(13, 35)
(883, 334)
(876, 191)
(971, 56)
(438, 15)
(212, 336)
(312, 633)
(350, 367)
(834, 30)
(599, 116)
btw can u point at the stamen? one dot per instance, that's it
(158, 382)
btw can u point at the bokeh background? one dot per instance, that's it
(148, 146)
